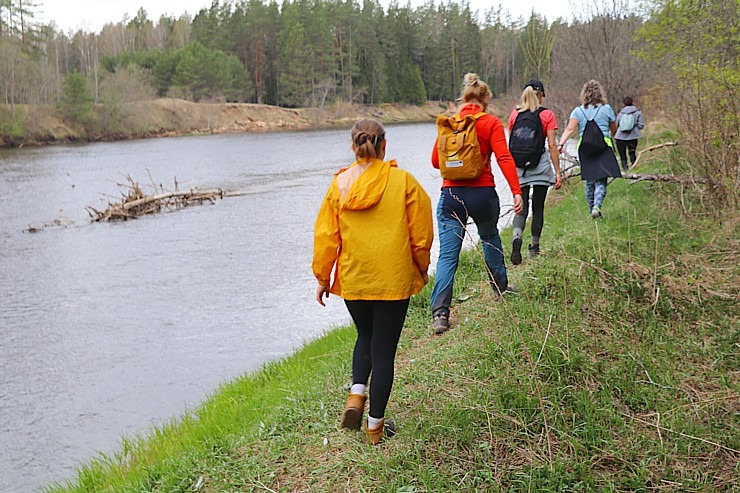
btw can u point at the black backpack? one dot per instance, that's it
(592, 140)
(527, 140)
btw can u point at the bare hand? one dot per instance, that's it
(518, 204)
(425, 277)
(558, 180)
(322, 292)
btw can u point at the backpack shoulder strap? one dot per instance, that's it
(584, 113)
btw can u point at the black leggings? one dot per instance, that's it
(625, 146)
(539, 194)
(379, 325)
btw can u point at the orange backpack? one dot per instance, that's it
(457, 147)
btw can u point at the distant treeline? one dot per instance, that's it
(309, 52)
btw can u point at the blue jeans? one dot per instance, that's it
(455, 205)
(595, 193)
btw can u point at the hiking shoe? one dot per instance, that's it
(510, 289)
(516, 251)
(385, 429)
(353, 411)
(534, 250)
(441, 323)
(596, 212)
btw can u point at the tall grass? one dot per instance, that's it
(615, 368)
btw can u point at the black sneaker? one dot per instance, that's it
(389, 428)
(534, 250)
(441, 323)
(510, 289)
(516, 251)
(386, 429)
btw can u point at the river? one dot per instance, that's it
(107, 329)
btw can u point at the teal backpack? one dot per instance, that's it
(627, 122)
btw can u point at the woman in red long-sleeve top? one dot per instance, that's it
(475, 198)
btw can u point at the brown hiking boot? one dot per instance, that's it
(385, 429)
(353, 411)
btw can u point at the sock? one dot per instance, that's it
(535, 240)
(373, 423)
(357, 388)
(516, 233)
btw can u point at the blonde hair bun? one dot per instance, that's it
(471, 79)
(475, 90)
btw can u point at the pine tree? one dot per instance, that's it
(76, 102)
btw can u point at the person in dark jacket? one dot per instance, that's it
(629, 124)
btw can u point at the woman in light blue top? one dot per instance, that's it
(595, 168)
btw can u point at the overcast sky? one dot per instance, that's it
(91, 15)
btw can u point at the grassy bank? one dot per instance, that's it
(614, 369)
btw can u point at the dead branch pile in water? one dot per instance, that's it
(135, 202)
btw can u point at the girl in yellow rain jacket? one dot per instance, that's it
(375, 226)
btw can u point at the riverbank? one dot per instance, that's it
(165, 117)
(615, 368)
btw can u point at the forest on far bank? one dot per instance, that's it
(676, 57)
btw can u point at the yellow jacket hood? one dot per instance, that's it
(362, 185)
(374, 233)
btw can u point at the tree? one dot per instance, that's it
(398, 43)
(293, 89)
(238, 83)
(164, 70)
(371, 78)
(76, 102)
(125, 85)
(600, 45)
(412, 86)
(179, 37)
(697, 42)
(16, 19)
(536, 41)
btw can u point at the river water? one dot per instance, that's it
(109, 329)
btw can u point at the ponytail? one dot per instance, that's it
(367, 138)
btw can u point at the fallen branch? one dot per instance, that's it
(652, 148)
(136, 203)
(666, 178)
(573, 169)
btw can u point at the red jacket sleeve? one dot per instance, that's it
(435, 154)
(500, 149)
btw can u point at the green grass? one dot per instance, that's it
(615, 368)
